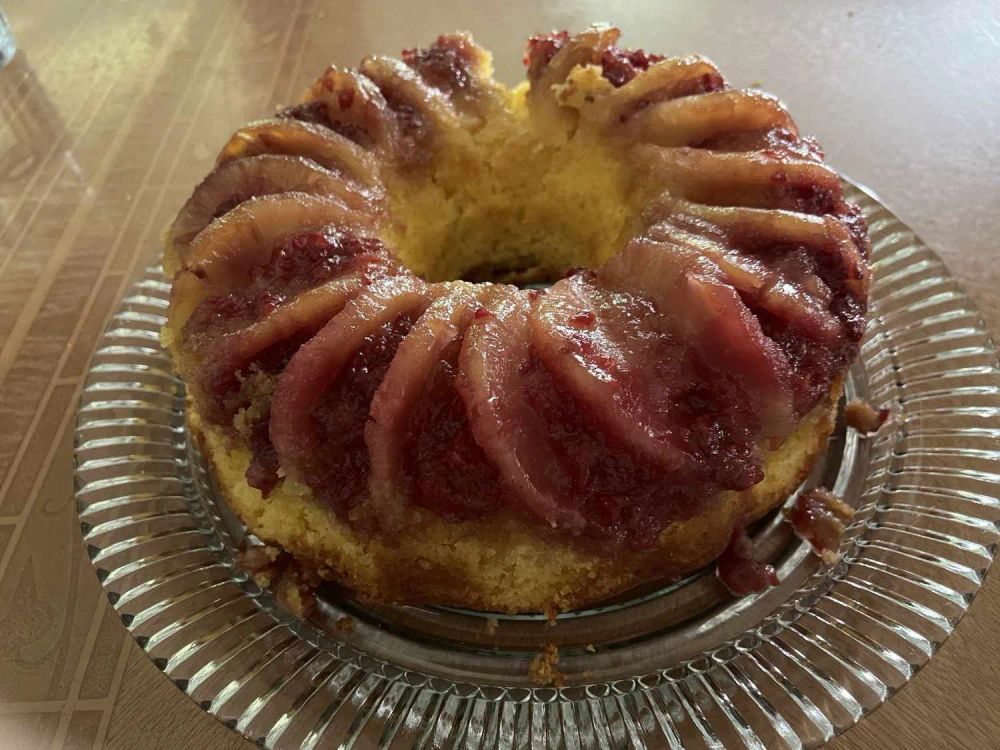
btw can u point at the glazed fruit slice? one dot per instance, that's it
(827, 241)
(785, 290)
(457, 67)
(307, 279)
(667, 368)
(690, 120)
(554, 455)
(552, 57)
(667, 79)
(820, 258)
(493, 364)
(233, 182)
(223, 255)
(422, 449)
(753, 180)
(612, 352)
(349, 103)
(296, 138)
(420, 111)
(746, 375)
(323, 397)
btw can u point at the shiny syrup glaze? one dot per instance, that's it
(811, 364)
(819, 517)
(318, 113)
(302, 262)
(624, 499)
(776, 143)
(739, 572)
(447, 65)
(339, 474)
(443, 466)
(619, 66)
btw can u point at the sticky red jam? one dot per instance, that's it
(339, 473)
(820, 517)
(623, 497)
(447, 65)
(302, 262)
(619, 66)
(542, 48)
(445, 468)
(739, 572)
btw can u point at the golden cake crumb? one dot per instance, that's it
(344, 625)
(492, 624)
(864, 417)
(551, 614)
(544, 668)
(829, 557)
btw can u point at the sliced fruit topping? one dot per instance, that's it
(783, 288)
(739, 572)
(231, 183)
(551, 58)
(613, 353)
(690, 120)
(421, 446)
(457, 67)
(747, 377)
(222, 256)
(559, 462)
(347, 102)
(819, 322)
(298, 138)
(306, 280)
(671, 78)
(774, 142)
(493, 364)
(752, 179)
(419, 110)
(323, 397)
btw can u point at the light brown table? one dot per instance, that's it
(112, 111)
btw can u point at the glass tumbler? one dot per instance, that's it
(7, 46)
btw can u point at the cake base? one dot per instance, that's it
(502, 563)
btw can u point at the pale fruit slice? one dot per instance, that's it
(749, 179)
(689, 293)
(231, 183)
(689, 120)
(493, 364)
(349, 103)
(296, 138)
(323, 397)
(223, 256)
(671, 78)
(422, 450)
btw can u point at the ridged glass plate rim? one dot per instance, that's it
(830, 651)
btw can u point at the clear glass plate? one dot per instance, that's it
(683, 666)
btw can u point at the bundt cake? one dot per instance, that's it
(515, 349)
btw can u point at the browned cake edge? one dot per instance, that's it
(503, 563)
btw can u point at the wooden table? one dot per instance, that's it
(113, 110)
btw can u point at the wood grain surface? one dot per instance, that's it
(112, 111)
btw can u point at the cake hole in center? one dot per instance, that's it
(512, 202)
